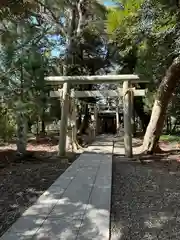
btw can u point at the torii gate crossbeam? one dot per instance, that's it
(98, 93)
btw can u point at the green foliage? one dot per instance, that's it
(16, 8)
(170, 138)
(122, 24)
(136, 36)
(7, 123)
(146, 36)
(174, 106)
(27, 39)
(122, 17)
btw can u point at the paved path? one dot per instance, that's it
(77, 205)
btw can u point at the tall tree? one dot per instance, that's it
(164, 94)
(125, 35)
(21, 41)
(165, 32)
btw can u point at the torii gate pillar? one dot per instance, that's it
(127, 110)
(64, 119)
(117, 120)
(96, 119)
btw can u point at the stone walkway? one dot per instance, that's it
(77, 205)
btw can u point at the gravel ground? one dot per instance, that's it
(145, 200)
(22, 183)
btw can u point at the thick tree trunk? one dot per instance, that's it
(168, 125)
(73, 37)
(21, 134)
(73, 118)
(43, 126)
(37, 126)
(158, 115)
(21, 120)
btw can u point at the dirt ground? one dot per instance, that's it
(22, 182)
(146, 197)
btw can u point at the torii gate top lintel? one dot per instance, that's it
(95, 79)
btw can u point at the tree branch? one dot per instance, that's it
(81, 13)
(54, 18)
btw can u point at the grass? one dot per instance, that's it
(170, 138)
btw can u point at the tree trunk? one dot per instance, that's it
(43, 127)
(170, 125)
(21, 134)
(29, 124)
(174, 127)
(37, 127)
(21, 120)
(164, 94)
(74, 34)
(167, 125)
(79, 120)
(73, 117)
(85, 121)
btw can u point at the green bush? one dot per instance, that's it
(7, 124)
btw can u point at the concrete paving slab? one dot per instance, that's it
(10, 235)
(96, 220)
(101, 149)
(90, 231)
(31, 220)
(58, 229)
(78, 202)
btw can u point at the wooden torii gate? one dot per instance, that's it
(126, 92)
